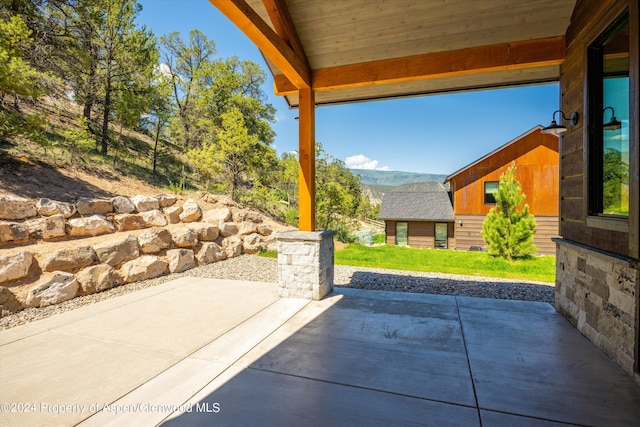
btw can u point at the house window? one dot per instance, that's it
(490, 189)
(402, 233)
(608, 121)
(441, 235)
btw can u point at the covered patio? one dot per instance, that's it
(323, 53)
(215, 352)
(218, 352)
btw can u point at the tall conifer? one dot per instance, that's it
(509, 227)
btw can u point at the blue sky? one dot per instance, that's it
(429, 134)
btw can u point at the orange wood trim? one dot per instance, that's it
(475, 60)
(281, 19)
(283, 86)
(307, 160)
(261, 34)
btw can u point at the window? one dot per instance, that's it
(608, 117)
(441, 235)
(402, 233)
(490, 189)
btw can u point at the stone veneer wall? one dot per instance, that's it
(598, 293)
(305, 264)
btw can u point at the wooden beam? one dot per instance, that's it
(307, 160)
(462, 62)
(281, 20)
(271, 45)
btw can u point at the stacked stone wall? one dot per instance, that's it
(598, 294)
(175, 238)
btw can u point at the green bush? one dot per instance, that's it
(343, 235)
(379, 239)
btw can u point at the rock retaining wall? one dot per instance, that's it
(177, 238)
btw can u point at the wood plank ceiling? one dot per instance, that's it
(353, 50)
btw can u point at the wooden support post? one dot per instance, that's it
(307, 160)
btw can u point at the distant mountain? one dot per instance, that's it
(395, 178)
(375, 183)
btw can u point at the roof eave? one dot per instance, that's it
(492, 153)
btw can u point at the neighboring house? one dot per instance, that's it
(536, 158)
(418, 219)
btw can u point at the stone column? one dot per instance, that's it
(305, 264)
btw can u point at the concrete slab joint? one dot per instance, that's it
(305, 264)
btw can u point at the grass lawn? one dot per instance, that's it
(541, 269)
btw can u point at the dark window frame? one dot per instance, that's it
(489, 198)
(595, 123)
(397, 233)
(440, 244)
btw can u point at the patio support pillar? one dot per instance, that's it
(305, 256)
(305, 264)
(307, 160)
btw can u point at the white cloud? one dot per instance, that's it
(360, 161)
(280, 118)
(162, 70)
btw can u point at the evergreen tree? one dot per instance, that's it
(338, 192)
(19, 80)
(127, 59)
(184, 65)
(237, 159)
(74, 42)
(160, 111)
(509, 227)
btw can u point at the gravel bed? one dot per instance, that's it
(255, 268)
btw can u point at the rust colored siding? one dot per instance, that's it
(537, 162)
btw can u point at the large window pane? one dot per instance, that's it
(442, 235)
(402, 231)
(609, 121)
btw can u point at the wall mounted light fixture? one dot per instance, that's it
(555, 128)
(613, 124)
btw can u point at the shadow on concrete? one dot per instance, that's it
(421, 360)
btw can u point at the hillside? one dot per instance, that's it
(395, 178)
(375, 183)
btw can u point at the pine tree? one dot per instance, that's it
(509, 227)
(128, 55)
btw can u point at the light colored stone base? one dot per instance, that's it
(305, 264)
(598, 293)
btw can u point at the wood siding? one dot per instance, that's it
(537, 169)
(588, 22)
(390, 230)
(421, 234)
(470, 233)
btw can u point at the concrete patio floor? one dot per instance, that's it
(218, 352)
